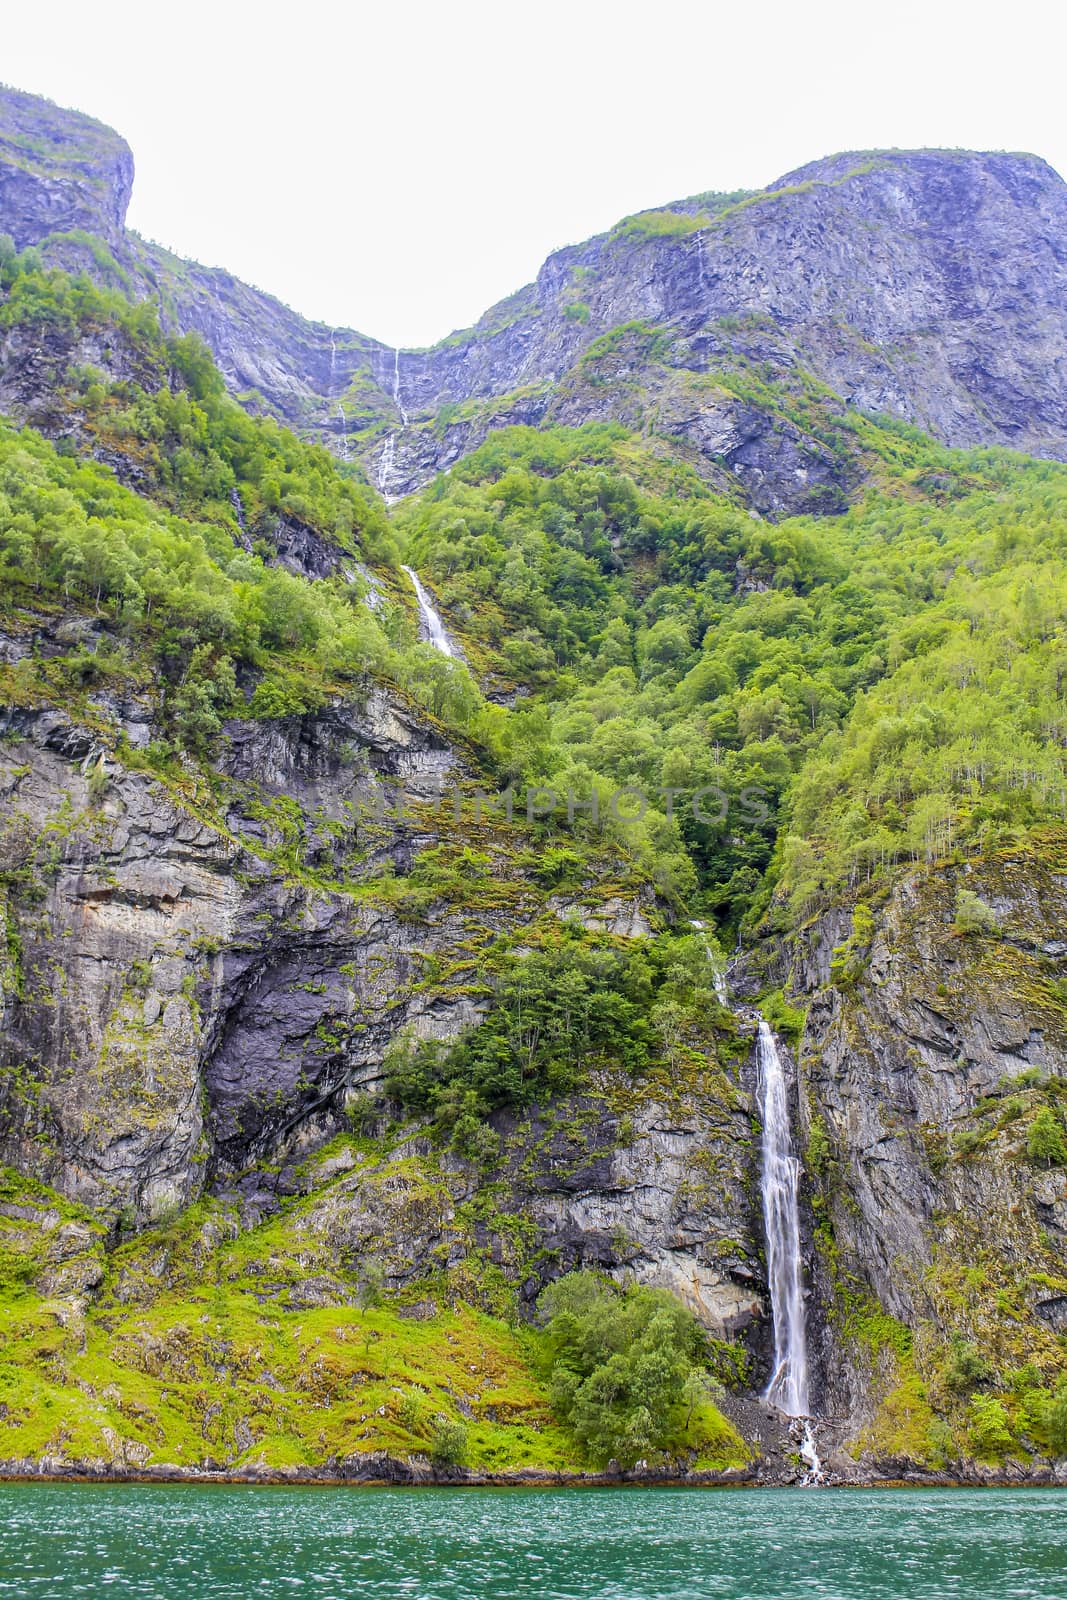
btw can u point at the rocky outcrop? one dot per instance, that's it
(59, 171)
(199, 984)
(660, 1196)
(174, 1002)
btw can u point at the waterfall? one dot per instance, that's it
(386, 473)
(386, 468)
(779, 1183)
(344, 431)
(432, 625)
(239, 512)
(788, 1388)
(701, 273)
(718, 976)
(396, 389)
(779, 1186)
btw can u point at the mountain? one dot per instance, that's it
(376, 1097)
(930, 286)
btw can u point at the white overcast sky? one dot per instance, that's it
(398, 167)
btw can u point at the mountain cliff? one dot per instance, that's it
(927, 285)
(358, 992)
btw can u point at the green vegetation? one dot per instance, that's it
(799, 712)
(554, 1019)
(690, 216)
(879, 688)
(185, 572)
(137, 1373)
(1045, 1142)
(629, 1375)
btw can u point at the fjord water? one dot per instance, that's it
(215, 1543)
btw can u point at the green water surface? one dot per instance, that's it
(211, 1543)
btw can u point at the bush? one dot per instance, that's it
(973, 915)
(1044, 1142)
(628, 1368)
(1056, 1422)
(965, 1367)
(989, 1432)
(849, 960)
(448, 1442)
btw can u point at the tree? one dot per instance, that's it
(625, 1366)
(973, 915)
(1045, 1143)
(989, 1431)
(1056, 1422)
(448, 1442)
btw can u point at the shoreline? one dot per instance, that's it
(384, 1471)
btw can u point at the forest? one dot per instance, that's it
(881, 687)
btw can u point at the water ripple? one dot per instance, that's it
(181, 1542)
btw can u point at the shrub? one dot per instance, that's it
(628, 1368)
(786, 1020)
(972, 914)
(965, 1367)
(1044, 1142)
(989, 1432)
(363, 1112)
(1056, 1422)
(372, 1285)
(448, 1442)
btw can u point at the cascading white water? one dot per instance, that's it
(718, 976)
(779, 1184)
(386, 467)
(788, 1388)
(387, 460)
(701, 271)
(431, 622)
(396, 389)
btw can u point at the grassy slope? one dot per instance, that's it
(195, 1349)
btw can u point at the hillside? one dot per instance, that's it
(364, 970)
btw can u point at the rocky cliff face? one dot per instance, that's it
(60, 171)
(205, 969)
(928, 1051)
(175, 1005)
(928, 285)
(198, 984)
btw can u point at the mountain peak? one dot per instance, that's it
(59, 171)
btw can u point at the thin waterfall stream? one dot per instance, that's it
(387, 459)
(788, 1388)
(436, 632)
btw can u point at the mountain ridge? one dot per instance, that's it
(898, 243)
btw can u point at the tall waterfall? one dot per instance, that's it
(779, 1182)
(387, 466)
(779, 1185)
(431, 622)
(788, 1388)
(396, 389)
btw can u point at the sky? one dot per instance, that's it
(399, 167)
